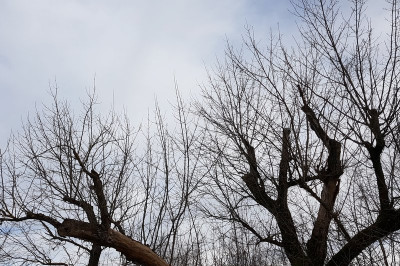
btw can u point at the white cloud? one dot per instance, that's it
(135, 49)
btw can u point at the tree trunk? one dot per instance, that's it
(95, 253)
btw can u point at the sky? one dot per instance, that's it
(132, 51)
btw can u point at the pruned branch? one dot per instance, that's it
(98, 189)
(132, 249)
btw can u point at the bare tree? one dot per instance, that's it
(73, 186)
(304, 141)
(297, 162)
(168, 223)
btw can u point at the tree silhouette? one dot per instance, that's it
(304, 141)
(73, 186)
(291, 156)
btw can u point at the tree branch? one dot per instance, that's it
(385, 224)
(133, 250)
(98, 189)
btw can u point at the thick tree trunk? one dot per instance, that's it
(290, 241)
(95, 253)
(132, 249)
(317, 245)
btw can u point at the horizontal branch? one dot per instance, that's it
(133, 250)
(96, 234)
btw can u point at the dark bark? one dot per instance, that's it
(253, 179)
(317, 244)
(100, 236)
(278, 207)
(290, 240)
(95, 253)
(386, 223)
(375, 156)
(85, 206)
(282, 213)
(98, 189)
(133, 250)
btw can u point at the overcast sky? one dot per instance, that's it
(133, 49)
